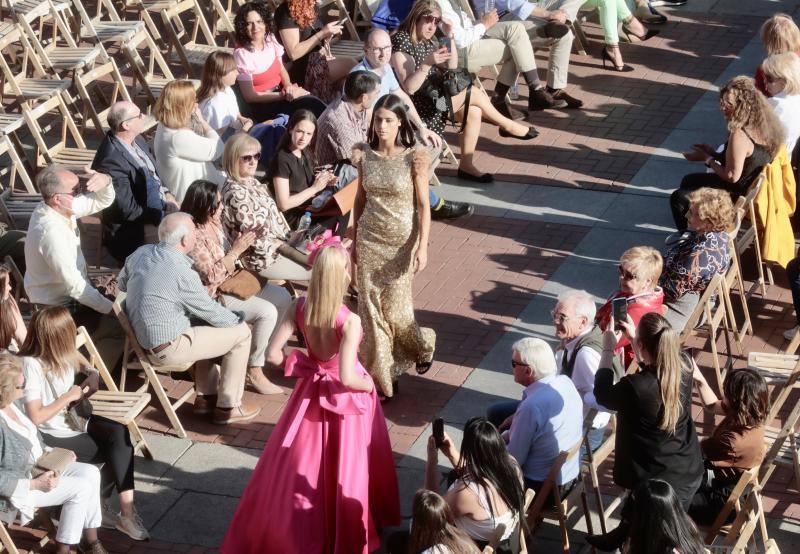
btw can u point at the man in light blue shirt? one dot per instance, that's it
(549, 420)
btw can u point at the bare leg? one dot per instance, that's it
(126, 503)
(616, 55)
(488, 111)
(469, 139)
(636, 27)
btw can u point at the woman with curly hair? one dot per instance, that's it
(755, 137)
(264, 85)
(306, 43)
(699, 254)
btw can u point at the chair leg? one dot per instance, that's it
(6, 540)
(165, 401)
(562, 524)
(141, 443)
(601, 511)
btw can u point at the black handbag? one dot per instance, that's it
(456, 80)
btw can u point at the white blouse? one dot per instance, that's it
(38, 388)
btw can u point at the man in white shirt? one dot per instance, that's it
(56, 271)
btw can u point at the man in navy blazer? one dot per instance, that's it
(141, 200)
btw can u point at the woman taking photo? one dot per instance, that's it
(185, 145)
(51, 363)
(392, 225)
(755, 137)
(291, 175)
(326, 480)
(247, 206)
(76, 489)
(302, 38)
(419, 61)
(264, 84)
(214, 260)
(656, 437)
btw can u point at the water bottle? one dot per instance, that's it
(513, 92)
(305, 222)
(488, 6)
(320, 199)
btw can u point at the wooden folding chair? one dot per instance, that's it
(150, 370)
(17, 208)
(746, 485)
(190, 46)
(560, 511)
(342, 14)
(735, 282)
(148, 11)
(9, 125)
(90, 86)
(122, 407)
(780, 371)
(220, 21)
(785, 448)
(592, 461)
(748, 235)
(743, 528)
(106, 27)
(41, 519)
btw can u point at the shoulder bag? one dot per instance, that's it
(76, 415)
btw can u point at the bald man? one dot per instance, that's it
(141, 198)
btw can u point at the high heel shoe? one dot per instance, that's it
(621, 68)
(531, 134)
(633, 37)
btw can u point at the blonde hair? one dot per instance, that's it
(750, 110)
(10, 370)
(663, 344)
(714, 208)
(643, 261)
(51, 340)
(785, 67)
(329, 281)
(780, 34)
(419, 9)
(175, 105)
(234, 148)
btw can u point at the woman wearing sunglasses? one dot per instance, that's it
(291, 178)
(248, 206)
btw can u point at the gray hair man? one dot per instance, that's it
(164, 292)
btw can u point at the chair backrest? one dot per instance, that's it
(122, 317)
(35, 119)
(733, 502)
(9, 125)
(549, 485)
(747, 235)
(101, 76)
(750, 517)
(27, 62)
(181, 37)
(84, 341)
(769, 464)
(706, 306)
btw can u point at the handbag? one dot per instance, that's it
(456, 80)
(243, 284)
(76, 415)
(56, 459)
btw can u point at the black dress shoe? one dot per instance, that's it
(502, 106)
(572, 102)
(452, 210)
(531, 134)
(552, 29)
(485, 178)
(540, 99)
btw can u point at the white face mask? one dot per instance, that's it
(81, 204)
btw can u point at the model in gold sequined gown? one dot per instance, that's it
(387, 238)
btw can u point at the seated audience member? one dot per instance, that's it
(263, 82)
(12, 243)
(140, 199)
(50, 365)
(302, 35)
(779, 35)
(639, 270)
(215, 265)
(487, 491)
(248, 206)
(434, 529)
(12, 326)
(419, 60)
(160, 309)
(782, 76)
(659, 524)
(549, 419)
(345, 123)
(76, 489)
(216, 98)
(493, 42)
(755, 137)
(737, 443)
(656, 437)
(291, 178)
(692, 261)
(611, 14)
(793, 274)
(56, 273)
(186, 146)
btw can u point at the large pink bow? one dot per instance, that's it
(321, 241)
(332, 395)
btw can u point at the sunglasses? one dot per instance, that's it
(515, 363)
(431, 19)
(250, 157)
(627, 275)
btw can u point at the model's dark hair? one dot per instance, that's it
(433, 524)
(360, 82)
(201, 201)
(240, 21)
(405, 134)
(485, 461)
(747, 397)
(660, 525)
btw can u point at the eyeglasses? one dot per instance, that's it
(380, 50)
(558, 317)
(431, 19)
(516, 364)
(627, 275)
(249, 158)
(139, 116)
(771, 79)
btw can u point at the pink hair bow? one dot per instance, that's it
(323, 240)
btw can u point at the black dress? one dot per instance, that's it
(642, 450)
(297, 71)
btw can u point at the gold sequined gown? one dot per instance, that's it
(388, 234)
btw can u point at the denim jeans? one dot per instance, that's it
(498, 412)
(595, 440)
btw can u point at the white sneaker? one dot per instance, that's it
(790, 333)
(133, 527)
(110, 517)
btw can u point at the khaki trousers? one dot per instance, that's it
(507, 43)
(203, 344)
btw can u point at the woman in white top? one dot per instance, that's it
(216, 97)
(76, 489)
(782, 81)
(433, 527)
(185, 145)
(488, 490)
(50, 365)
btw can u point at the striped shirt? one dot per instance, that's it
(164, 292)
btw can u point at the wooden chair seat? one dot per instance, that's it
(74, 159)
(348, 49)
(10, 123)
(73, 58)
(33, 89)
(787, 454)
(776, 369)
(35, 8)
(196, 54)
(113, 31)
(17, 208)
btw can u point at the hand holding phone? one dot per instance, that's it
(619, 307)
(438, 431)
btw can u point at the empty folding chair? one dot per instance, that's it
(190, 42)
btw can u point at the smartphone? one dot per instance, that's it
(438, 431)
(341, 21)
(619, 307)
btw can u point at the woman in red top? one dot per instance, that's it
(265, 89)
(779, 34)
(639, 269)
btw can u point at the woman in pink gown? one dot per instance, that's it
(326, 480)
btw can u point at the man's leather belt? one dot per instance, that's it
(159, 348)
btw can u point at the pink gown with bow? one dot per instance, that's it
(326, 479)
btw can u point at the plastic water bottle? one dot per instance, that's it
(321, 198)
(305, 222)
(488, 6)
(513, 92)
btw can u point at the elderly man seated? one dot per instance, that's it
(141, 199)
